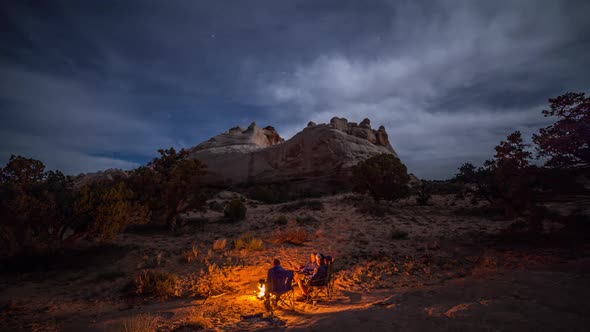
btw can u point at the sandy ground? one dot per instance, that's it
(451, 273)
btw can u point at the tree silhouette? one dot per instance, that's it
(566, 143)
(383, 176)
(169, 185)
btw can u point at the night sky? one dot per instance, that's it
(90, 85)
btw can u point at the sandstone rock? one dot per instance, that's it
(320, 157)
(272, 135)
(339, 123)
(251, 139)
(311, 124)
(366, 123)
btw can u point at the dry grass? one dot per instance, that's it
(139, 323)
(219, 244)
(291, 234)
(157, 283)
(191, 254)
(249, 243)
(214, 281)
(485, 266)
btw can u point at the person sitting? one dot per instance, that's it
(311, 265)
(317, 278)
(272, 273)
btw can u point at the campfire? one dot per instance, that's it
(261, 288)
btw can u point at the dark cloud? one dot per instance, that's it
(92, 85)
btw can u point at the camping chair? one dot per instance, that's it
(281, 291)
(325, 288)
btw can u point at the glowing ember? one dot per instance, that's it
(261, 291)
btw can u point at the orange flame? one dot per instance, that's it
(261, 291)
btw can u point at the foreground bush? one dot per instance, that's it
(157, 283)
(235, 210)
(40, 210)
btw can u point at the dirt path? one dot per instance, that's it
(512, 301)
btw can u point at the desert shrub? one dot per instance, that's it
(423, 194)
(169, 185)
(42, 210)
(264, 194)
(139, 323)
(103, 209)
(306, 219)
(235, 210)
(281, 220)
(291, 234)
(157, 283)
(398, 234)
(314, 205)
(249, 242)
(219, 244)
(212, 281)
(383, 176)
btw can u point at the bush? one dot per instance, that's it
(306, 220)
(169, 185)
(157, 283)
(42, 210)
(423, 194)
(249, 243)
(264, 194)
(235, 210)
(383, 176)
(215, 280)
(398, 234)
(292, 234)
(139, 323)
(281, 220)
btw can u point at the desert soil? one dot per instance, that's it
(452, 272)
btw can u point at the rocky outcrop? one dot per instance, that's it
(319, 157)
(240, 140)
(363, 130)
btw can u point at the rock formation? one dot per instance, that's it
(239, 140)
(319, 157)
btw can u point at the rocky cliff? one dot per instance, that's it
(320, 157)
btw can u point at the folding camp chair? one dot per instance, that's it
(281, 291)
(325, 288)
